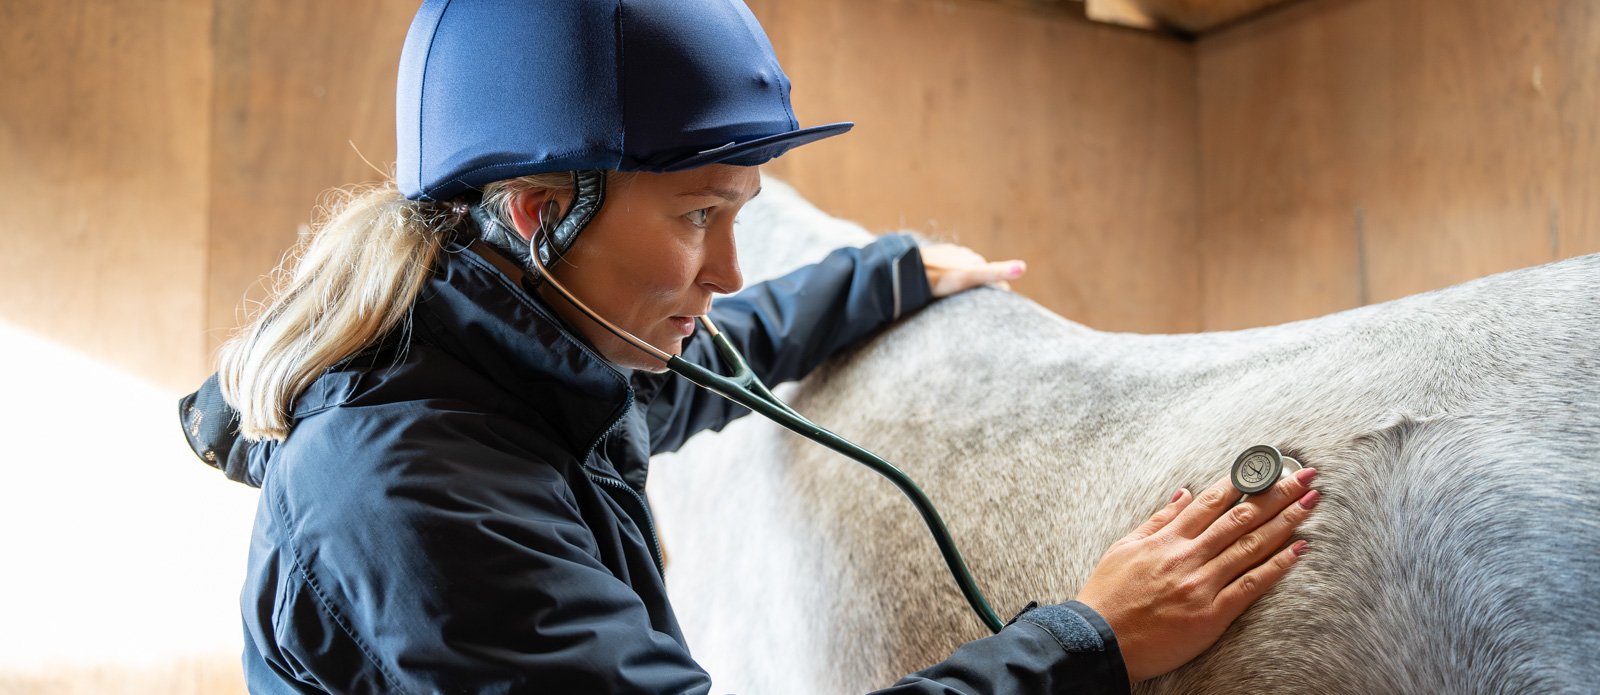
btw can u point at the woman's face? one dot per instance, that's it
(650, 261)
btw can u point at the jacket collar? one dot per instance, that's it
(480, 307)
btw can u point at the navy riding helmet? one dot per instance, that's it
(495, 89)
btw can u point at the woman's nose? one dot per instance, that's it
(721, 273)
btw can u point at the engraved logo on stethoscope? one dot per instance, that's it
(1255, 469)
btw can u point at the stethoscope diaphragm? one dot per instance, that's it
(1259, 467)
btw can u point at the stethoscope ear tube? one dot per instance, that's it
(745, 389)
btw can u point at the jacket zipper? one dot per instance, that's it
(608, 481)
(649, 523)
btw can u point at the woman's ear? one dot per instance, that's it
(525, 207)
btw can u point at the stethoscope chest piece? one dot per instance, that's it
(1259, 467)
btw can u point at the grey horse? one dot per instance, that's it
(1457, 433)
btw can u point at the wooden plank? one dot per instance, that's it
(1571, 86)
(1280, 186)
(103, 131)
(304, 92)
(1467, 186)
(1021, 134)
(1366, 150)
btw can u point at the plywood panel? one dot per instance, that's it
(304, 91)
(1365, 150)
(1284, 111)
(103, 135)
(1021, 133)
(1571, 87)
(1468, 182)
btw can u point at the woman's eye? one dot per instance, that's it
(700, 218)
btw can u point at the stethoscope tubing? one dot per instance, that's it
(744, 388)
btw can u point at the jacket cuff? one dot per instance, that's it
(910, 278)
(1081, 631)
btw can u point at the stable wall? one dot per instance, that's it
(1357, 151)
(1023, 134)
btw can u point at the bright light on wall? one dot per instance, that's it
(119, 546)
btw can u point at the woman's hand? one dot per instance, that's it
(1170, 588)
(952, 268)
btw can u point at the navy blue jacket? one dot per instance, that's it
(463, 512)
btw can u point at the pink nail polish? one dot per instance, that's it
(1305, 475)
(1176, 496)
(1309, 501)
(1299, 547)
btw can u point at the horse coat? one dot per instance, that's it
(1457, 432)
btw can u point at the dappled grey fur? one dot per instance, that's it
(1457, 434)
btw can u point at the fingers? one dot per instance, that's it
(1163, 516)
(1205, 510)
(952, 279)
(952, 268)
(1242, 592)
(1240, 520)
(1253, 547)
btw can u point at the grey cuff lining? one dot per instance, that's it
(1068, 627)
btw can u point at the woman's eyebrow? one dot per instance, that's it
(727, 194)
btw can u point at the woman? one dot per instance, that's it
(452, 455)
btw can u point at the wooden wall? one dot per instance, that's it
(104, 130)
(1030, 134)
(1356, 151)
(304, 100)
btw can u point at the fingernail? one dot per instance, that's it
(1309, 501)
(1176, 496)
(1305, 475)
(1015, 271)
(1299, 547)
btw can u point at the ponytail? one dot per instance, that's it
(347, 283)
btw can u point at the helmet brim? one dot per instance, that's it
(753, 152)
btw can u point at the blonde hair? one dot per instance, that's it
(348, 282)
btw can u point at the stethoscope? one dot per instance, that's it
(744, 388)
(1258, 468)
(1253, 471)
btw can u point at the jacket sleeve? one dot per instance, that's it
(785, 328)
(1063, 648)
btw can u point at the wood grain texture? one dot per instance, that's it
(1357, 151)
(1021, 134)
(304, 91)
(103, 136)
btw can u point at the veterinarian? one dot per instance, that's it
(452, 459)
